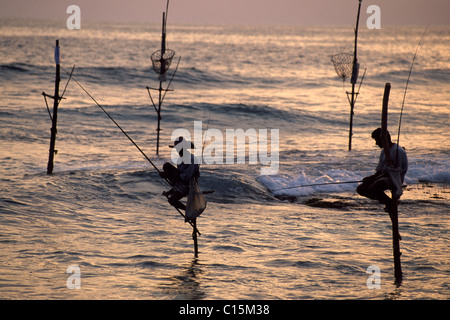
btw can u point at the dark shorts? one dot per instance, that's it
(374, 188)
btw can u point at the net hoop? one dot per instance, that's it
(343, 64)
(162, 63)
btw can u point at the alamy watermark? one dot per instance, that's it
(74, 20)
(374, 21)
(74, 280)
(235, 147)
(374, 280)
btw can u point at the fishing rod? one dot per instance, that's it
(134, 143)
(207, 128)
(407, 83)
(317, 184)
(167, 11)
(118, 126)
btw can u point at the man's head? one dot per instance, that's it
(180, 143)
(376, 135)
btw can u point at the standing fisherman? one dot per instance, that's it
(373, 187)
(180, 176)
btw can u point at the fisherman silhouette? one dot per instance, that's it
(373, 186)
(180, 176)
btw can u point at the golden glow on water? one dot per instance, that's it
(273, 249)
(103, 210)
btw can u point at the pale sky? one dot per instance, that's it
(293, 12)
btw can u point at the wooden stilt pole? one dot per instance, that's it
(158, 129)
(56, 99)
(194, 236)
(354, 79)
(393, 208)
(396, 243)
(165, 58)
(162, 77)
(350, 131)
(158, 108)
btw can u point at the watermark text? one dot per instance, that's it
(235, 147)
(74, 20)
(374, 21)
(74, 280)
(374, 280)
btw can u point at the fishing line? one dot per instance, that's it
(206, 134)
(114, 121)
(406, 87)
(134, 143)
(167, 11)
(67, 83)
(316, 184)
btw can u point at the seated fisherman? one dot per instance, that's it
(373, 187)
(180, 175)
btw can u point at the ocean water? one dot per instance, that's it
(262, 237)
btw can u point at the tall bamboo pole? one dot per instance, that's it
(55, 112)
(393, 210)
(354, 79)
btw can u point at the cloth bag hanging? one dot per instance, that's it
(196, 202)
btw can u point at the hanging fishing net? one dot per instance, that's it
(343, 63)
(162, 63)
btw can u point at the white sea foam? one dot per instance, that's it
(335, 180)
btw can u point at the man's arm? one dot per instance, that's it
(373, 177)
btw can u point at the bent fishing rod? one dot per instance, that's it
(132, 141)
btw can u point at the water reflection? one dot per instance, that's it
(186, 286)
(396, 293)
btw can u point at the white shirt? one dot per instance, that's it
(399, 159)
